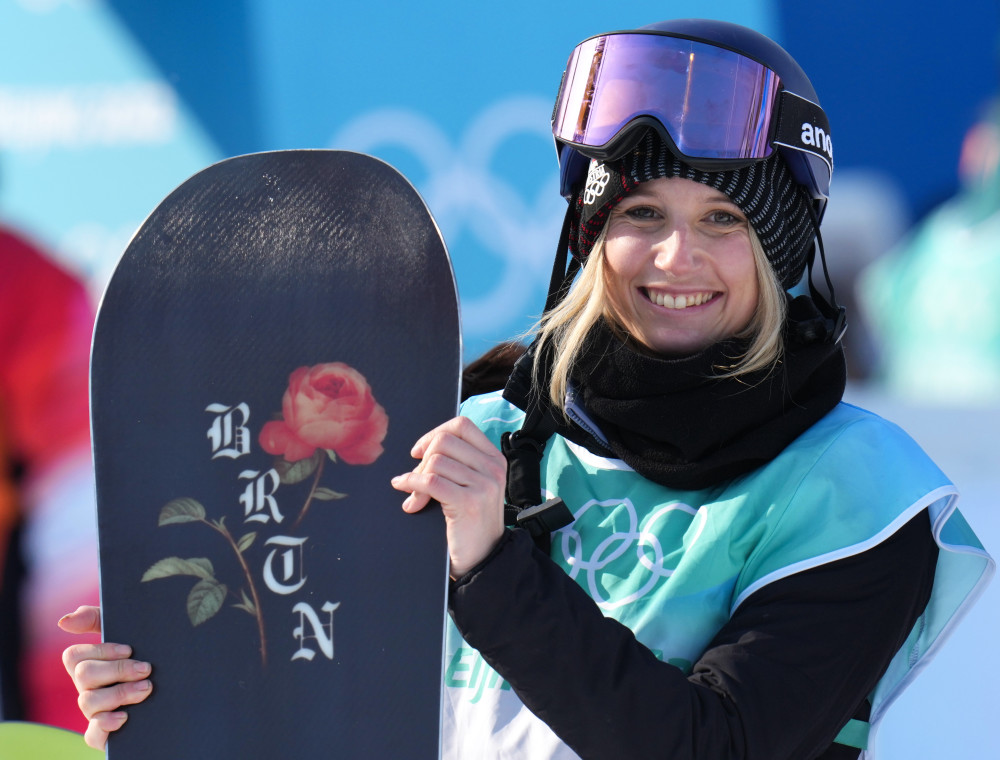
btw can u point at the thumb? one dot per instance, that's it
(85, 619)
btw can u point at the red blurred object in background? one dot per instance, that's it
(48, 551)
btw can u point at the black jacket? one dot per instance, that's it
(795, 662)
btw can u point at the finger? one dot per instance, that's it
(85, 619)
(449, 461)
(415, 502)
(435, 485)
(105, 651)
(94, 702)
(445, 449)
(97, 674)
(410, 483)
(462, 428)
(457, 466)
(95, 737)
(101, 725)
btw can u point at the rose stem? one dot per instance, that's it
(253, 589)
(312, 491)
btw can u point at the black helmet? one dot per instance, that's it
(720, 95)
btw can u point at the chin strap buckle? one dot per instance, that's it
(813, 320)
(541, 519)
(839, 325)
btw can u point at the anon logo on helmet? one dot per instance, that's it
(817, 137)
(597, 181)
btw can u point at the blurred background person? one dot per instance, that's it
(866, 218)
(47, 521)
(933, 302)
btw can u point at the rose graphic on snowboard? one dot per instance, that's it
(328, 412)
(331, 407)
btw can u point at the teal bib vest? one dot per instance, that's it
(674, 565)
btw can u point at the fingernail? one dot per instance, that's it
(395, 480)
(123, 649)
(142, 668)
(143, 686)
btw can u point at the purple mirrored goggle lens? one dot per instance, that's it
(714, 103)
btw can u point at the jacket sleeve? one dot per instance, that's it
(795, 662)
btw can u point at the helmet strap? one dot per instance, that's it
(835, 316)
(562, 277)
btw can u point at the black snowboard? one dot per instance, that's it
(276, 336)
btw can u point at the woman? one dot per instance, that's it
(742, 566)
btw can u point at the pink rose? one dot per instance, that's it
(328, 406)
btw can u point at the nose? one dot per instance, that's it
(676, 252)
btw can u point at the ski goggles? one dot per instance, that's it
(718, 108)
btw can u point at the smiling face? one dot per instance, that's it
(679, 266)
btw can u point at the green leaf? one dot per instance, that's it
(247, 604)
(291, 473)
(181, 511)
(332, 454)
(245, 542)
(199, 567)
(205, 600)
(325, 494)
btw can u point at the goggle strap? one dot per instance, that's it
(802, 125)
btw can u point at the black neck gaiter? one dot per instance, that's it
(678, 424)
(675, 421)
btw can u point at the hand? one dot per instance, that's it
(466, 474)
(104, 676)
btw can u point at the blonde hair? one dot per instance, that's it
(564, 328)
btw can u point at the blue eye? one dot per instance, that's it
(724, 218)
(641, 212)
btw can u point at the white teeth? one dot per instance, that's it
(679, 302)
